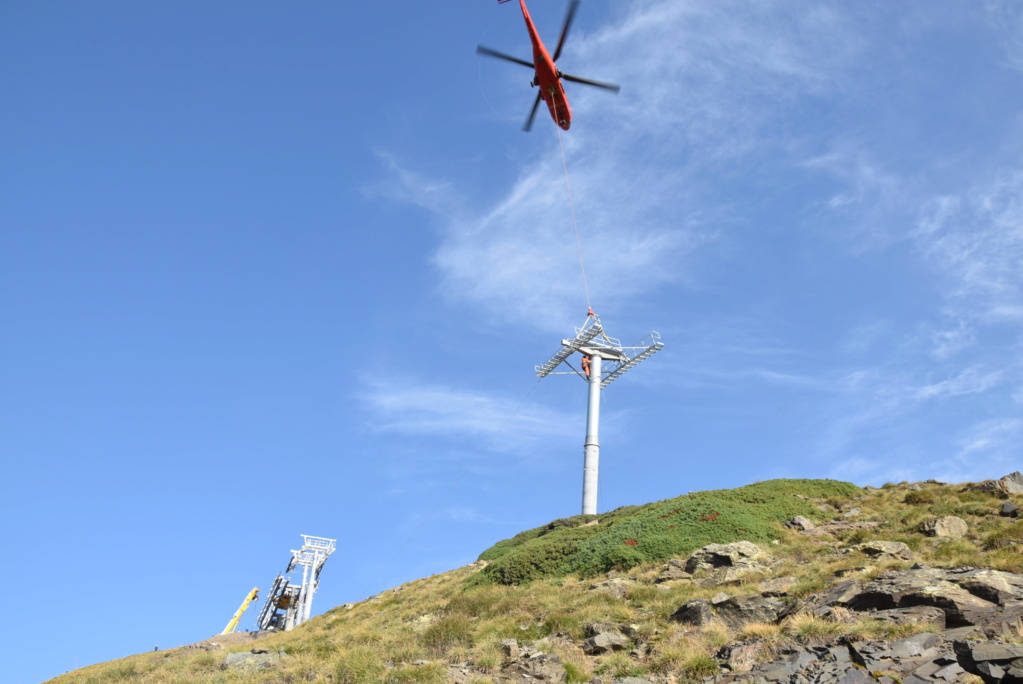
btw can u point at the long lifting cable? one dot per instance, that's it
(575, 224)
(454, 486)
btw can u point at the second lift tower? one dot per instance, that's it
(604, 361)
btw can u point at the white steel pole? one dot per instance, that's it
(302, 612)
(591, 449)
(308, 608)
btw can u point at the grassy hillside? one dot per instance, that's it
(546, 587)
(627, 537)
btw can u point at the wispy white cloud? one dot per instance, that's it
(871, 197)
(975, 241)
(409, 407)
(1007, 18)
(970, 381)
(990, 436)
(702, 82)
(948, 341)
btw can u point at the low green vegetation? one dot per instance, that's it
(625, 538)
(546, 587)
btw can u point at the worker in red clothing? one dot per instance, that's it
(586, 365)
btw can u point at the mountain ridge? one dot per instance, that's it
(629, 597)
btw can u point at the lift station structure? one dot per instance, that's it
(289, 604)
(604, 361)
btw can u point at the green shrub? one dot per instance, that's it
(574, 674)
(630, 536)
(449, 632)
(920, 497)
(430, 673)
(478, 602)
(620, 665)
(699, 665)
(544, 558)
(357, 666)
(1003, 538)
(562, 622)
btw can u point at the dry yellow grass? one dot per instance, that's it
(413, 633)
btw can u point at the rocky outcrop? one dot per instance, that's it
(995, 662)
(605, 642)
(972, 611)
(884, 550)
(520, 662)
(946, 526)
(697, 613)
(838, 527)
(740, 610)
(800, 523)
(253, 661)
(673, 571)
(532, 665)
(722, 563)
(987, 599)
(919, 659)
(1011, 484)
(616, 587)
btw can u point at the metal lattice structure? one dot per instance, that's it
(604, 361)
(289, 604)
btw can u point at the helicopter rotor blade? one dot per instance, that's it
(489, 52)
(572, 7)
(532, 114)
(599, 84)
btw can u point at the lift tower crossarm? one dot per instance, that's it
(631, 356)
(583, 336)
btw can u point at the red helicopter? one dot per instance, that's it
(546, 73)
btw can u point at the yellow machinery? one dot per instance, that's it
(249, 598)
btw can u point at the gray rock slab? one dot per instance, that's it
(1013, 483)
(840, 655)
(741, 657)
(249, 662)
(842, 593)
(781, 669)
(919, 646)
(947, 526)
(992, 585)
(995, 651)
(990, 671)
(605, 642)
(800, 523)
(914, 615)
(855, 676)
(914, 679)
(697, 612)
(723, 555)
(779, 586)
(674, 571)
(960, 606)
(926, 669)
(882, 549)
(510, 649)
(949, 673)
(739, 610)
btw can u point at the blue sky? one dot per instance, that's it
(270, 270)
